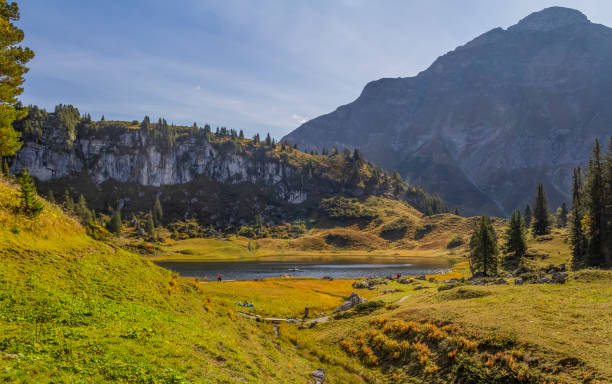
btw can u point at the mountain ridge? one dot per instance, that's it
(506, 110)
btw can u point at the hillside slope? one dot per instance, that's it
(221, 179)
(73, 309)
(489, 120)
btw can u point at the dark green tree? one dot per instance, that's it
(115, 225)
(528, 216)
(51, 197)
(30, 204)
(516, 244)
(145, 126)
(268, 140)
(562, 216)
(594, 208)
(150, 225)
(483, 249)
(457, 211)
(68, 202)
(6, 171)
(82, 211)
(577, 237)
(541, 224)
(608, 205)
(12, 69)
(158, 213)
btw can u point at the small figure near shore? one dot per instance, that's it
(219, 277)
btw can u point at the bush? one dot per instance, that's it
(395, 229)
(454, 242)
(342, 208)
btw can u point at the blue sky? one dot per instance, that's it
(261, 66)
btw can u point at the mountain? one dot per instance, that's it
(220, 179)
(488, 121)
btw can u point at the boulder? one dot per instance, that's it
(404, 281)
(318, 376)
(432, 280)
(352, 301)
(500, 281)
(361, 285)
(518, 281)
(559, 278)
(418, 287)
(422, 277)
(544, 280)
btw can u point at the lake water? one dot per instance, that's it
(250, 270)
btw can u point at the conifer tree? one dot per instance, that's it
(158, 213)
(528, 216)
(577, 236)
(457, 211)
(256, 139)
(30, 204)
(115, 225)
(6, 171)
(82, 211)
(483, 249)
(608, 205)
(150, 225)
(241, 134)
(51, 197)
(594, 208)
(68, 202)
(541, 225)
(562, 216)
(102, 118)
(268, 140)
(146, 124)
(12, 69)
(516, 244)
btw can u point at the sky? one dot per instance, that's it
(260, 66)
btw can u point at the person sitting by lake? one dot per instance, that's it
(219, 277)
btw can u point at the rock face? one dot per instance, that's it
(130, 157)
(487, 121)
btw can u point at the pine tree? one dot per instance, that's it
(6, 171)
(594, 208)
(357, 156)
(30, 204)
(150, 225)
(68, 202)
(146, 124)
(541, 225)
(82, 211)
(241, 134)
(51, 197)
(562, 216)
(102, 118)
(268, 140)
(577, 236)
(158, 213)
(457, 211)
(483, 249)
(516, 244)
(607, 165)
(12, 70)
(115, 225)
(528, 216)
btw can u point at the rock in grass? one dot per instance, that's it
(405, 281)
(353, 300)
(422, 277)
(319, 376)
(518, 281)
(500, 281)
(559, 278)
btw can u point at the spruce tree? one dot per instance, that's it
(457, 211)
(594, 208)
(51, 197)
(146, 124)
(12, 70)
(158, 213)
(150, 225)
(541, 225)
(115, 225)
(6, 171)
(68, 202)
(607, 165)
(516, 244)
(82, 211)
(30, 204)
(577, 237)
(268, 140)
(528, 216)
(562, 216)
(483, 249)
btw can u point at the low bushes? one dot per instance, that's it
(342, 208)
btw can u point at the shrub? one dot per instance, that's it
(454, 242)
(395, 229)
(342, 208)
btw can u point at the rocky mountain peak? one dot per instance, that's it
(549, 19)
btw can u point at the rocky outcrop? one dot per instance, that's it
(352, 301)
(488, 121)
(132, 158)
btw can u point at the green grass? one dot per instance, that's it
(76, 310)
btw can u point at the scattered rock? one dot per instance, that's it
(518, 281)
(371, 287)
(544, 280)
(500, 281)
(418, 287)
(559, 278)
(361, 285)
(422, 277)
(432, 280)
(319, 376)
(520, 270)
(561, 267)
(451, 281)
(405, 281)
(352, 301)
